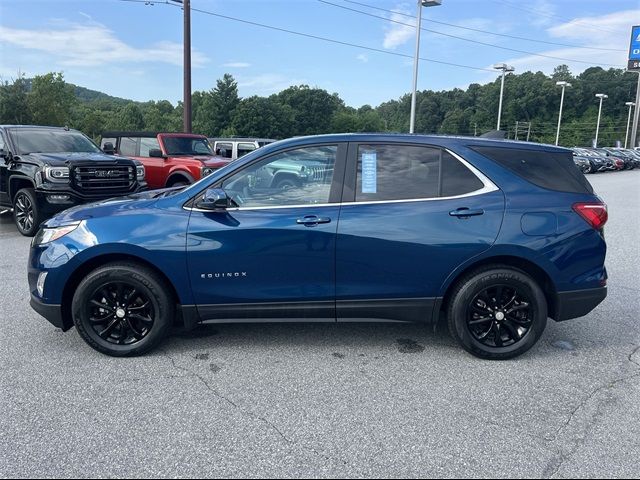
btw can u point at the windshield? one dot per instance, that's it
(187, 146)
(50, 140)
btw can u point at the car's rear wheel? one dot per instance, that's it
(123, 309)
(26, 212)
(497, 312)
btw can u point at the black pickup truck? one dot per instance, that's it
(44, 170)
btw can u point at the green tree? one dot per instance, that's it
(263, 117)
(313, 108)
(129, 117)
(224, 101)
(13, 102)
(51, 100)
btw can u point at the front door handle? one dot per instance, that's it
(312, 220)
(465, 212)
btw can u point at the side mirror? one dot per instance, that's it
(156, 153)
(4, 155)
(214, 199)
(108, 148)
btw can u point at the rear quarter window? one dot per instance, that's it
(550, 170)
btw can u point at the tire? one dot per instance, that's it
(27, 214)
(586, 169)
(137, 314)
(179, 183)
(286, 183)
(486, 297)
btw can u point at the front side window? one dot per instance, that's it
(297, 177)
(403, 172)
(244, 148)
(224, 149)
(146, 144)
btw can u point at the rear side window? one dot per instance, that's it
(403, 172)
(129, 146)
(551, 170)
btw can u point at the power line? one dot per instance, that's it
(550, 15)
(477, 42)
(315, 37)
(558, 44)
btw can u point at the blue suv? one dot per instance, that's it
(493, 236)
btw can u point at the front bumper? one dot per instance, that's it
(578, 303)
(53, 313)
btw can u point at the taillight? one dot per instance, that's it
(594, 213)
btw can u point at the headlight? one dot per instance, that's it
(46, 235)
(207, 171)
(57, 174)
(140, 172)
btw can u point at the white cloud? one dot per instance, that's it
(610, 31)
(236, 65)
(397, 34)
(92, 44)
(544, 11)
(268, 83)
(362, 58)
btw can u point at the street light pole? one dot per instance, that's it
(563, 85)
(626, 135)
(421, 3)
(505, 68)
(601, 96)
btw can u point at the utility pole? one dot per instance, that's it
(186, 5)
(416, 58)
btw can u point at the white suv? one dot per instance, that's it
(235, 147)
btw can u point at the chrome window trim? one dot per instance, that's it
(488, 187)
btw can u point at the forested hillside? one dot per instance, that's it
(303, 110)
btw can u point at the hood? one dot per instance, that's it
(66, 159)
(214, 161)
(110, 207)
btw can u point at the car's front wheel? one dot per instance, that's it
(26, 212)
(497, 312)
(123, 309)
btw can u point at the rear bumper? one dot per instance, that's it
(578, 303)
(53, 313)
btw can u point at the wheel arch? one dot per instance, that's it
(543, 279)
(18, 182)
(178, 175)
(85, 268)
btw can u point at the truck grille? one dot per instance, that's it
(104, 179)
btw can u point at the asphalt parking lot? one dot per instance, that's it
(329, 400)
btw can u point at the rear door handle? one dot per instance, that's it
(312, 220)
(465, 212)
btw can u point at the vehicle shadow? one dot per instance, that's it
(406, 337)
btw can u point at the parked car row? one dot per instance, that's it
(44, 170)
(593, 160)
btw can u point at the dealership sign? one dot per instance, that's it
(634, 49)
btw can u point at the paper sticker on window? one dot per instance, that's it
(369, 173)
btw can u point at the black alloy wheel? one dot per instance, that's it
(120, 314)
(26, 212)
(123, 309)
(500, 316)
(497, 312)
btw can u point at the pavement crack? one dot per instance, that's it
(635, 350)
(558, 461)
(247, 413)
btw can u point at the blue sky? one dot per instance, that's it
(133, 50)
